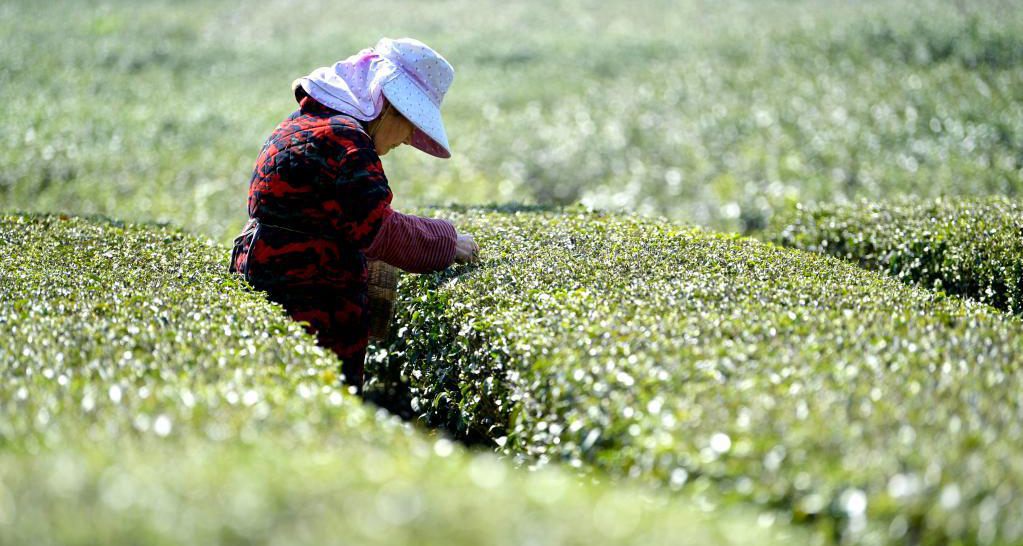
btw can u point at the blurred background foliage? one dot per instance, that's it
(715, 113)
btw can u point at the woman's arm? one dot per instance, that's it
(414, 244)
(365, 217)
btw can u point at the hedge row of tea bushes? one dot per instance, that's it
(968, 247)
(148, 398)
(875, 411)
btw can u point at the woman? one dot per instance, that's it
(319, 203)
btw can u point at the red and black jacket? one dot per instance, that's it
(318, 199)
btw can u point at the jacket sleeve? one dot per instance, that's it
(414, 244)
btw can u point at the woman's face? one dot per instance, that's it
(392, 130)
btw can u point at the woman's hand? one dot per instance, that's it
(466, 250)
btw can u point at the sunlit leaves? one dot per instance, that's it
(702, 361)
(147, 397)
(709, 112)
(967, 247)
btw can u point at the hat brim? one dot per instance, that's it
(429, 134)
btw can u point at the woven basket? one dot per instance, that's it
(383, 281)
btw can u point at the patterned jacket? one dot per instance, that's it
(318, 199)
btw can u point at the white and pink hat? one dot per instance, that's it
(413, 78)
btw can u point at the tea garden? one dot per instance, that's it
(754, 278)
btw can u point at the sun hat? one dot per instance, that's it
(410, 75)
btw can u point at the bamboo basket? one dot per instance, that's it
(383, 283)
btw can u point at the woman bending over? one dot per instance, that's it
(319, 203)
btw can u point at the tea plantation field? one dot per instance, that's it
(711, 112)
(875, 411)
(623, 366)
(148, 398)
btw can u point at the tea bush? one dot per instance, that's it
(968, 247)
(146, 397)
(879, 412)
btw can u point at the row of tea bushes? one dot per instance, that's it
(968, 247)
(146, 397)
(876, 411)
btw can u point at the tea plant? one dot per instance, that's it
(968, 247)
(147, 397)
(878, 412)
